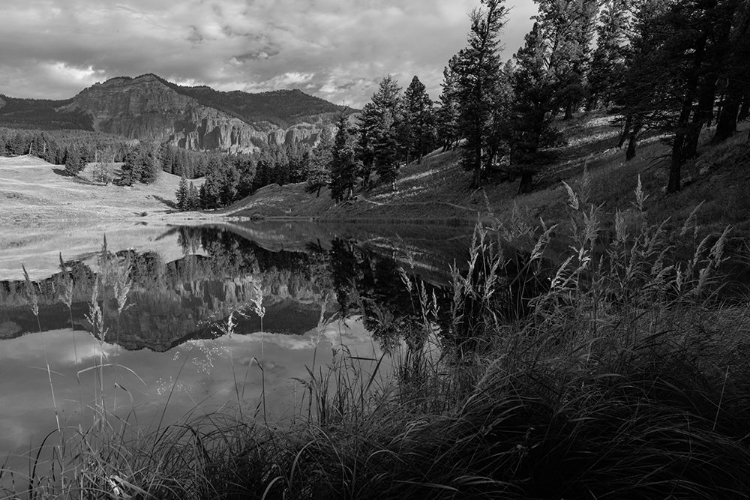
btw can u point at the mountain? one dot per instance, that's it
(149, 108)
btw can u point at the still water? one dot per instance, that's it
(182, 321)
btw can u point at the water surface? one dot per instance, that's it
(166, 322)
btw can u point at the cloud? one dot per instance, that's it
(332, 49)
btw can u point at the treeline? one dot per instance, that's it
(76, 148)
(230, 178)
(672, 66)
(58, 146)
(397, 126)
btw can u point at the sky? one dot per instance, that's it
(334, 49)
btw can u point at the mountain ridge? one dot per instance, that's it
(150, 108)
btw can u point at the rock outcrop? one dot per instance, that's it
(149, 109)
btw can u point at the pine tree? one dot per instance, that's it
(150, 164)
(380, 124)
(73, 161)
(609, 58)
(193, 201)
(211, 190)
(344, 162)
(477, 68)
(417, 130)
(566, 29)
(534, 99)
(131, 170)
(182, 194)
(367, 130)
(677, 49)
(447, 114)
(230, 181)
(319, 172)
(736, 103)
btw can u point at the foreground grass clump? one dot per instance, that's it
(611, 372)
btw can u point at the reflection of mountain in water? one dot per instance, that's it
(169, 303)
(393, 283)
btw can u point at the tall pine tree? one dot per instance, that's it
(344, 162)
(416, 132)
(478, 71)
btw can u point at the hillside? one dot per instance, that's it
(34, 192)
(283, 108)
(438, 189)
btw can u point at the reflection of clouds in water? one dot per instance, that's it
(208, 352)
(348, 332)
(205, 374)
(61, 348)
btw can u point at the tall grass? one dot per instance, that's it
(615, 372)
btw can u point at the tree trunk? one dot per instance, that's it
(726, 126)
(744, 109)
(683, 123)
(568, 111)
(703, 114)
(527, 180)
(625, 131)
(633, 139)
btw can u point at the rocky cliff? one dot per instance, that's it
(150, 109)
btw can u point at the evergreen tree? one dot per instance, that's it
(150, 164)
(478, 70)
(380, 124)
(319, 171)
(677, 49)
(566, 29)
(193, 201)
(367, 132)
(736, 103)
(230, 182)
(182, 194)
(448, 113)
(534, 99)
(211, 190)
(132, 168)
(344, 163)
(73, 162)
(417, 126)
(609, 58)
(246, 167)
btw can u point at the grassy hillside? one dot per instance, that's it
(438, 189)
(281, 107)
(34, 192)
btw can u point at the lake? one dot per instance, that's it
(149, 325)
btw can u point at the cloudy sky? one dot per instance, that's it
(334, 49)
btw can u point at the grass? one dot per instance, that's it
(617, 372)
(35, 192)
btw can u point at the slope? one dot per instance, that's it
(439, 190)
(34, 192)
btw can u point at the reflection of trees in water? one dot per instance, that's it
(171, 302)
(390, 305)
(398, 306)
